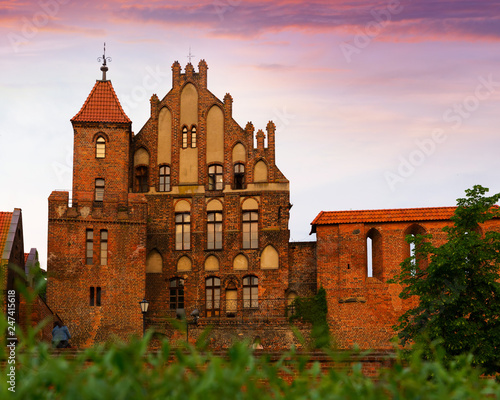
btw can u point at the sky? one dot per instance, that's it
(378, 104)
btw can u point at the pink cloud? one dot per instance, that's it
(399, 20)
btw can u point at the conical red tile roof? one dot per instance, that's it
(102, 105)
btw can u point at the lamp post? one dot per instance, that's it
(144, 308)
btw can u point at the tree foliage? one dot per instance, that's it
(459, 288)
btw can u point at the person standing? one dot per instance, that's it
(60, 336)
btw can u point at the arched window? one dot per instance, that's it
(141, 179)
(99, 190)
(412, 249)
(214, 230)
(250, 292)
(215, 178)
(212, 296)
(184, 137)
(100, 147)
(176, 293)
(193, 136)
(374, 254)
(250, 227)
(164, 185)
(239, 176)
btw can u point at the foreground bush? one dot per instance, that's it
(129, 371)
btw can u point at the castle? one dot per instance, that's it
(191, 213)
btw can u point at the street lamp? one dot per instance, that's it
(144, 308)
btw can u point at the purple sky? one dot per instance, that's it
(378, 104)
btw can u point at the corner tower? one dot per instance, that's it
(96, 245)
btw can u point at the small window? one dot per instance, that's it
(95, 296)
(176, 293)
(184, 137)
(212, 292)
(182, 231)
(164, 179)
(89, 247)
(141, 179)
(100, 148)
(99, 190)
(193, 136)
(104, 247)
(239, 176)
(214, 230)
(250, 292)
(215, 178)
(250, 227)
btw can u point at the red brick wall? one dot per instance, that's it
(361, 309)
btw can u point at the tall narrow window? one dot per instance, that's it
(250, 292)
(193, 136)
(374, 259)
(239, 176)
(100, 148)
(214, 230)
(99, 190)
(104, 247)
(184, 137)
(212, 292)
(414, 255)
(182, 231)
(141, 179)
(89, 247)
(164, 179)
(95, 296)
(369, 257)
(215, 178)
(250, 229)
(176, 293)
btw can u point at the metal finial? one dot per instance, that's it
(103, 59)
(190, 55)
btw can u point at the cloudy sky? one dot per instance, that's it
(378, 104)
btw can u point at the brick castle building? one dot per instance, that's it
(190, 214)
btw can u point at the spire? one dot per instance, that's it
(103, 59)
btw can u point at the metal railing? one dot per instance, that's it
(230, 311)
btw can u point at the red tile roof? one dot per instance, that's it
(102, 105)
(389, 215)
(5, 219)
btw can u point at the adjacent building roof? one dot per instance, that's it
(389, 215)
(5, 220)
(102, 105)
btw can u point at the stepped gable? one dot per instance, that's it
(386, 215)
(102, 105)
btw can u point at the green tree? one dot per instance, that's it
(459, 288)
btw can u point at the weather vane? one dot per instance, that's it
(190, 55)
(103, 59)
